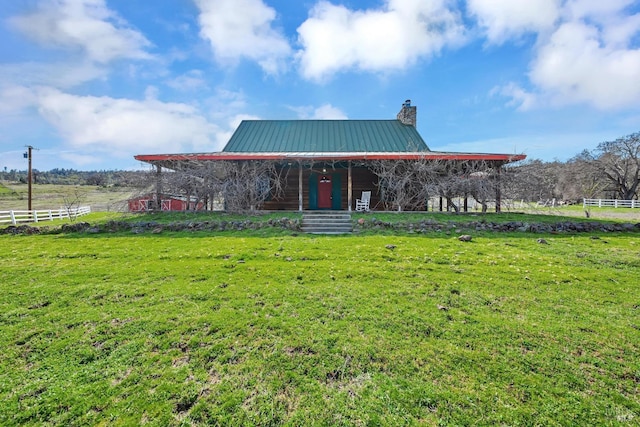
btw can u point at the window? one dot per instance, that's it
(263, 187)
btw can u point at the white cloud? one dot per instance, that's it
(188, 82)
(95, 130)
(578, 66)
(123, 127)
(61, 75)
(225, 104)
(80, 159)
(597, 9)
(223, 137)
(15, 98)
(335, 38)
(505, 19)
(324, 112)
(520, 98)
(616, 26)
(234, 122)
(590, 56)
(87, 25)
(327, 112)
(243, 29)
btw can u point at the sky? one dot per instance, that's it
(91, 83)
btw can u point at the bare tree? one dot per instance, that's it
(404, 184)
(581, 178)
(408, 184)
(535, 180)
(237, 185)
(72, 201)
(475, 178)
(97, 178)
(482, 184)
(619, 161)
(245, 186)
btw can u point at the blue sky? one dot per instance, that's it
(90, 83)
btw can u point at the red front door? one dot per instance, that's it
(324, 192)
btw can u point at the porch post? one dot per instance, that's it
(158, 187)
(300, 186)
(498, 190)
(349, 187)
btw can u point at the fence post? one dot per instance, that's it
(35, 216)
(13, 217)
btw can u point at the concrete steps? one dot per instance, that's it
(326, 222)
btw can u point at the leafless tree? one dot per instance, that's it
(404, 184)
(131, 179)
(246, 185)
(535, 180)
(97, 178)
(483, 184)
(72, 201)
(619, 162)
(408, 184)
(237, 185)
(581, 178)
(478, 179)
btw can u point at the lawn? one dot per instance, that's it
(238, 329)
(5, 190)
(49, 196)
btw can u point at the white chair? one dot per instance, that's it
(362, 204)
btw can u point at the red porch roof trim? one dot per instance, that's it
(424, 155)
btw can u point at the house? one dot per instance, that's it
(168, 202)
(327, 164)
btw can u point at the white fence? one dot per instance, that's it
(15, 217)
(611, 203)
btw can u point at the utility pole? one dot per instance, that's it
(28, 155)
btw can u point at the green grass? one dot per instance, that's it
(612, 214)
(4, 191)
(50, 196)
(568, 214)
(235, 329)
(469, 217)
(186, 216)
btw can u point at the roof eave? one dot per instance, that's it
(427, 155)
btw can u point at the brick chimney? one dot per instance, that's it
(407, 115)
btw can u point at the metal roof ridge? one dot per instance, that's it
(323, 120)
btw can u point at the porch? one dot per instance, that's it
(324, 186)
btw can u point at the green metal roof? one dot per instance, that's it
(324, 136)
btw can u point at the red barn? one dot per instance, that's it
(168, 202)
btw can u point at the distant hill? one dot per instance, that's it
(75, 177)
